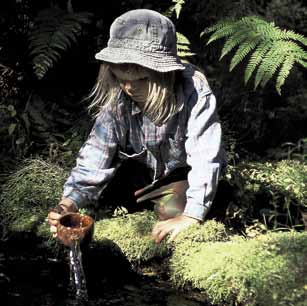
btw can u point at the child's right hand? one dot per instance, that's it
(65, 206)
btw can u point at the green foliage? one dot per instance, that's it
(183, 46)
(29, 193)
(132, 233)
(176, 7)
(272, 192)
(267, 270)
(56, 31)
(9, 79)
(183, 43)
(271, 48)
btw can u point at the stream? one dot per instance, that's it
(77, 279)
(36, 278)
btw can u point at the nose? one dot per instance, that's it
(127, 86)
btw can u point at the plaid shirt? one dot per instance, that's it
(192, 137)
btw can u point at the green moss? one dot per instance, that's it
(132, 233)
(208, 231)
(267, 270)
(29, 193)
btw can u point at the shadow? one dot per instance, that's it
(105, 264)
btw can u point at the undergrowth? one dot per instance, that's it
(29, 193)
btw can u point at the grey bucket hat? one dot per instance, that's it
(143, 37)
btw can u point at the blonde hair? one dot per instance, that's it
(162, 101)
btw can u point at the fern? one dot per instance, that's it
(271, 48)
(56, 31)
(183, 46)
(176, 7)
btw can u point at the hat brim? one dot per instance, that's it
(160, 62)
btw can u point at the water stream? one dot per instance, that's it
(77, 276)
(37, 278)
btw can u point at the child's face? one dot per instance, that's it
(133, 80)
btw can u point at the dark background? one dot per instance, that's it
(37, 114)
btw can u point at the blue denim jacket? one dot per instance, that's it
(192, 137)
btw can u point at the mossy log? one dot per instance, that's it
(267, 270)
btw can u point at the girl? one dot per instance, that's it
(157, 111)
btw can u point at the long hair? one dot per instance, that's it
(162, 101)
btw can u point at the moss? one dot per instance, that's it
(29, 193)
(132, 233)
(208, 231)
(267, 270)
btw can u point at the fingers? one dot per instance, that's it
(53, 230)
(160, 230)
(53, 220)
(173, 235)
(174, 226)
(161, 235)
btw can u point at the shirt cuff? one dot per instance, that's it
(196, 210)
(77, 198)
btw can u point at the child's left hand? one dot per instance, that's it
(174, 226)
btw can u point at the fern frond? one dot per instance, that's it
(270, 48)
(280, 51)
(271, 65)
(176, 7)
(291, 35)
(219, 25)
(56, 32)
(255, 60)
(183, 46)
(222, 32)
(284, 72)
(243, 50)
(232, 42)
(262, 68)
(303, 63)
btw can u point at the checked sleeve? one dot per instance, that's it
(95, 165)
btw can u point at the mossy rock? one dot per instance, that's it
(209, 231)
(267, 270)
(132, 233)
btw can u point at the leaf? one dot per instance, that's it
(244, 49)
(11, 128)
(255, 60)
(20, 140)
(183, 46)
(284, 72)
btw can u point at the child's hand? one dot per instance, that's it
(65, 205)
(173, 226)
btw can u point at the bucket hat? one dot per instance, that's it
(143, 37)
